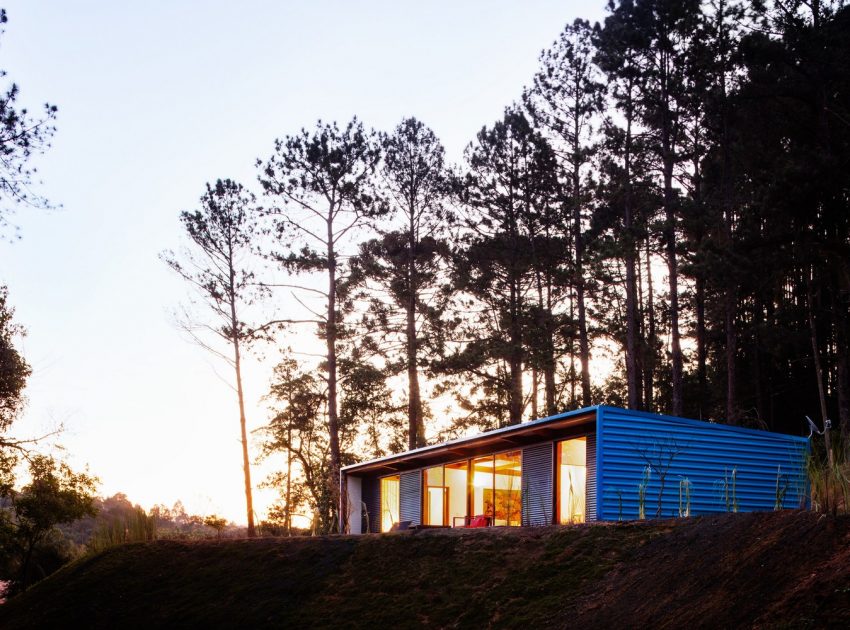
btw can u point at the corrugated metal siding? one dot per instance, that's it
(410, 497)
(590, 490)
(708, 453)
(537, 490)
(371, 493)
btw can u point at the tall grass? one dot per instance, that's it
(136, 526)
(684, 497)
(829, 483)
(642, 487)
(730, 489)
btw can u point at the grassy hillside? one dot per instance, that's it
(790, 569)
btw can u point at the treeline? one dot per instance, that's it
(671, 189)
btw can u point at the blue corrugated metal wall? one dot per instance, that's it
(705, 454)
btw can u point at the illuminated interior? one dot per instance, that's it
(389, 502)
(484, 486)
(456, 480)
(572, 480)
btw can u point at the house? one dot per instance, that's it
(593, 464)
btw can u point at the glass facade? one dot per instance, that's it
(487, 490)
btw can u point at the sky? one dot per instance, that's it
(156, 98)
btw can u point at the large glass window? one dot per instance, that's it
(482, 486)
(496, 491)
(572, 480)
(446, 494)
(389, 502)
(485, 486)
(508, 496)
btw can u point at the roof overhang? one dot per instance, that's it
(503, 439)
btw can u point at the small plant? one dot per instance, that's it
(642, 486)
(684, 497)
(730, 489)
(781, 490)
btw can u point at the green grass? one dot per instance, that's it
(529, 578)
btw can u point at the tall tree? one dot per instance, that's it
(403, 271)
(320, 184)
(22, 137)
(618, 45)
(222, 232)
(299, 401)
(510, 181)
(566, 97)
(14, 369)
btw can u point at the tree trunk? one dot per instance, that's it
(583, 342)
(415, 429)
(515, 360)
(534, 389)
(843, 369)
(649, 364)
(333, 420)
(288, 515)
(673, 276)
(631, 280)
(817, 365)
(702, 352)
(237, 364)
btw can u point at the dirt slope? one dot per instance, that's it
(789, 569)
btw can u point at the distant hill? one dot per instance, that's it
(790, 569)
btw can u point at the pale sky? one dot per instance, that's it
(156, 98)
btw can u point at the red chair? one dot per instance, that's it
(479, 521)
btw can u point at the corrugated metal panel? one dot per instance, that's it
(590, 490)
(410, 497)
(371, 493)
(703, 454)
(537, 490)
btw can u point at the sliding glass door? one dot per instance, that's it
(572, 480)
(496, 491)
(435, 504)
(389, 502)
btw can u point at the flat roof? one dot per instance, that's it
(515, 435)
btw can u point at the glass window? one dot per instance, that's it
(496, 488)
(456, 482)
(434, 497)
(508, 495)
(485, 486)
(572, 480)
(482, 486)
(389, 502)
